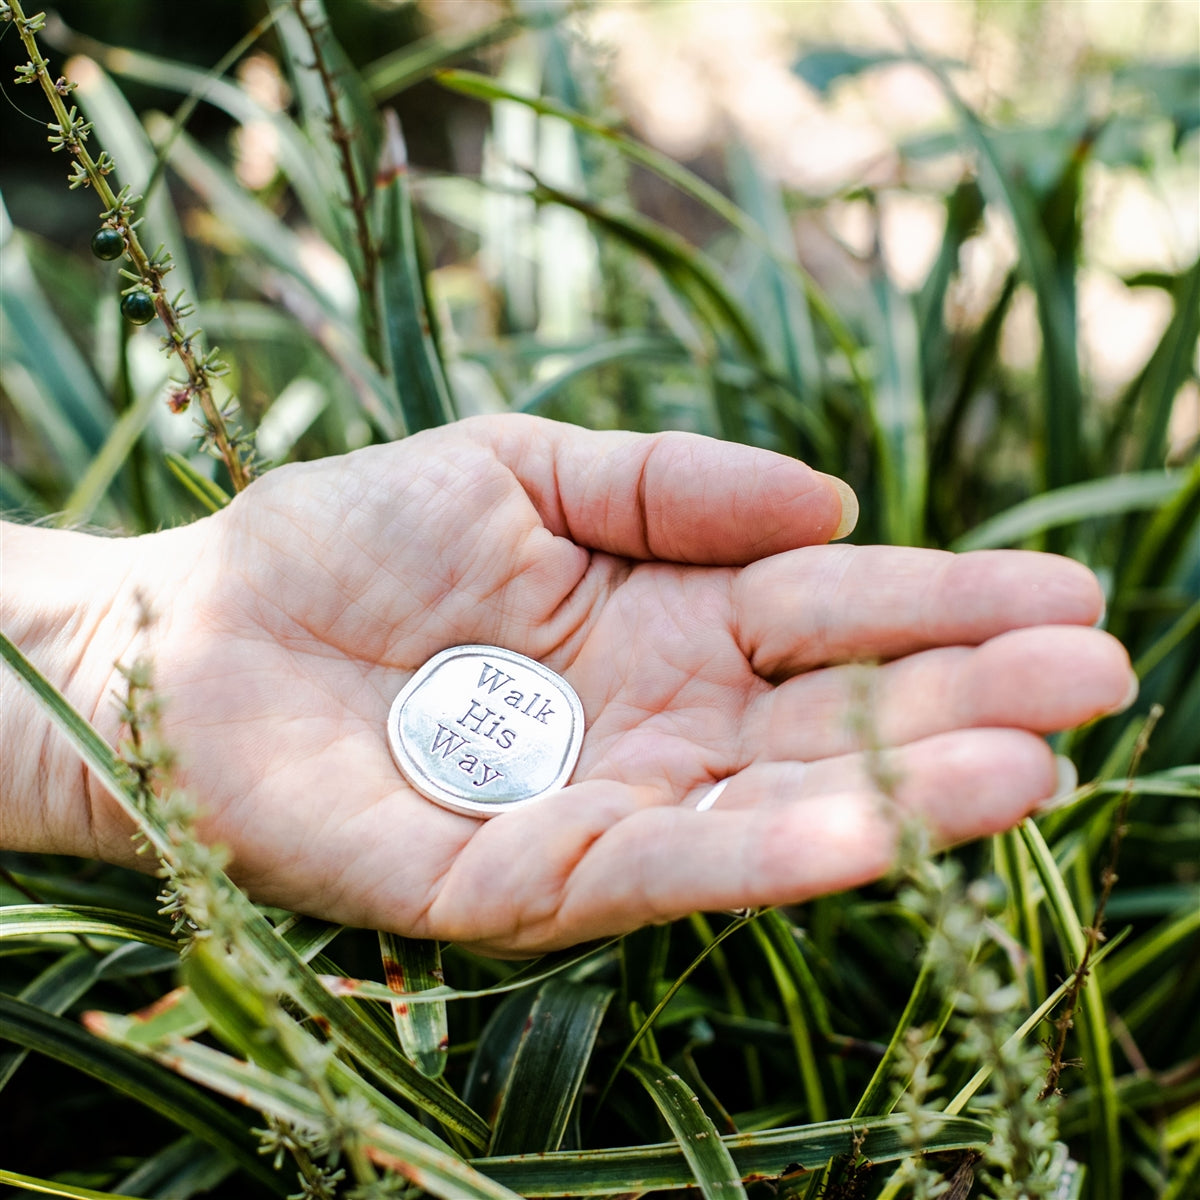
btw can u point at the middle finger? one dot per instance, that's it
(1041, 679)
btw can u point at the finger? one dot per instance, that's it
(677, 497)
(835, 603)
(944, 764)
(1042, 679)
(502, 893)
(662, 863)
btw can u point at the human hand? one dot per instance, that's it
(288, 622)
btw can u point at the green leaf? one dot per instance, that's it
(210, 493)
(690, 272)
(184, 1168)
(52, 920)
(1090, 1021)
(573, 366)
(53, 991)
(1053, 289)
(1169, 367)
(480, 86)
(802, 1001)
(103, 469)
(294, 153)
(1145, 957)
(47, 1187)
(412, 964)
(147, 1083)
(1112, 495)
(244, 219)
(56, 393)
(395, 72)
(549, 1066)
(414, 1158)
(707, 1155)
(422, 392)
(898, 413)
(308, 936)
(924, 1006)
(1159, 545)
(647, 1025)
(756, 1156)
(334, 352)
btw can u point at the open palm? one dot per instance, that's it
(681, 587)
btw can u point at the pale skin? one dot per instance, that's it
(681, 585)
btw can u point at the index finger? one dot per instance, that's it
(833, 604)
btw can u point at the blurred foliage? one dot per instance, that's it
(530, 252)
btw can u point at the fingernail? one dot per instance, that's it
(1065, 788)
(1098, 623)
(849, 501)
(1131, 695)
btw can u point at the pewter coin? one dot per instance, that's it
(482, 730)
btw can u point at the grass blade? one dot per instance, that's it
(286, 1100)
(102, 470)
(549, 1066)
(757, 1156)
(210, 493)
(481, 87)
(899, 417)
(244, 218)
(146, 1082)
(47, 1187)
(1145, 958)
(923, 1004)
(54, 991)
(694, 277)
(1168, 368)
(1053, 289)
(294, 153)
(411, 964)
(422, 392)
(1110, 496)
(42, 920)
(1106, 1152)
(621, 349)
(65, 403)
(803, 1002)
(388, 76)
(180, 1170)
(712, 1165)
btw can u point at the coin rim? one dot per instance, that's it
(430, 789)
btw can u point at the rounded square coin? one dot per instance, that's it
(482, 730)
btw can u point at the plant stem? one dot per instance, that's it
(71, 132)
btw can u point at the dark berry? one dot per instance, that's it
(138, 307)
(107, 244)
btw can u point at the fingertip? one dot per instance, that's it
(1066, 787)
(849, 502)
(1131, 694)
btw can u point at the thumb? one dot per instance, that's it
(678, 497)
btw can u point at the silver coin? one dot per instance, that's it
(482, 730)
